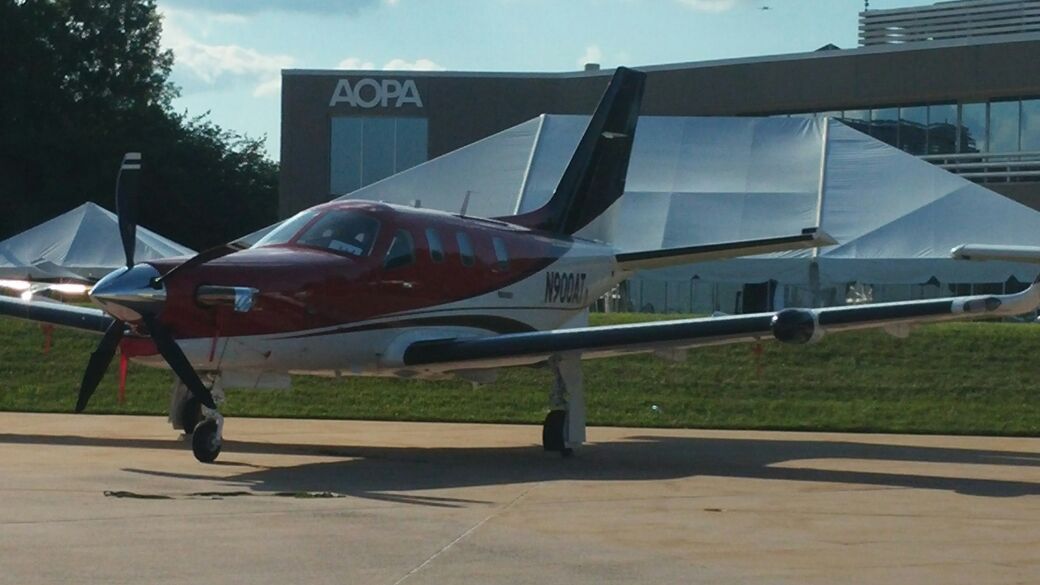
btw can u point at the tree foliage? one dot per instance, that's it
(83, 81)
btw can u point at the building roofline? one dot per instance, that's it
(882, 49)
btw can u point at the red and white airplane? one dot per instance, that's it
(364, 288)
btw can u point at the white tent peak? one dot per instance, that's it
(82, 243)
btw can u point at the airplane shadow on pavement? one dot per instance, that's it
(378, 472)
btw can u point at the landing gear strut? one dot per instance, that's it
(564, 426)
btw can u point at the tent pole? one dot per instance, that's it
(814, 266)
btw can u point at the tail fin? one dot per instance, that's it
(595, 177)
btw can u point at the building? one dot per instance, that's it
(958, 19)
(969, 104)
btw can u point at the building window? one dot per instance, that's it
(973, 137)
(466, 255)
(433, 240)
(884, 125)
(366, 150)
(1003, 126)
(942, 129)
(913, 129)
(1031, 125)
(858, 119)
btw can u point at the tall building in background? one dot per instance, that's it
(958, 19)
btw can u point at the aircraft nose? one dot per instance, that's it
(129, 293)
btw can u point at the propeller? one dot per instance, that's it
(126, 203)
(136, 294)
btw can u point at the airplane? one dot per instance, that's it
(372, 289)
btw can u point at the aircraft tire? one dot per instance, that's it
(206, 441)
(552, 431)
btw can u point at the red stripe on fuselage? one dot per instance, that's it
(303, 288)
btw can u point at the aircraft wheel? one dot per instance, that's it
(206, 441)
(191, 414)
(552, 432)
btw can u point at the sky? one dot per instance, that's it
(228, 54)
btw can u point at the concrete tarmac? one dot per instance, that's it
(107, 499)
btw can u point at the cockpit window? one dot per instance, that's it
(287, 229)
(342, 230)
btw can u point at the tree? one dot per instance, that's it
(83, 81)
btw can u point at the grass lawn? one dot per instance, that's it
(964, 378)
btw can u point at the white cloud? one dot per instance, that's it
(357, 63)
(714, 5)
(199, 65)
(417, 65)
(592, 54)
(249, 7)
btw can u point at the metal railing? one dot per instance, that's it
(986, 167)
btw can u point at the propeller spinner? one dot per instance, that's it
(136, 295)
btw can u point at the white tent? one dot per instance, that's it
(701, 180)
(80, 244)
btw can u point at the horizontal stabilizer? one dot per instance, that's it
(1008, 253)
(809, 238)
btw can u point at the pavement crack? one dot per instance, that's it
(220, 495)
(465, 534)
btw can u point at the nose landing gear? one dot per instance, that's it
(203, 426)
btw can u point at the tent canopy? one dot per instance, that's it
(702, 180)
(80, 244)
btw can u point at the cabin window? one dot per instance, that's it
(501, 254)
(433, 239)
(401, 252)
(345, 231)
(465, 249)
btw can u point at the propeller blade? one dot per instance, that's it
(178, 362)
(98, 363)
(199, 259)
(126, 203)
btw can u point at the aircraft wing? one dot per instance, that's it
(1029, 254)
(789, 326)
(61, 314)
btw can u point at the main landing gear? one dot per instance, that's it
(564, 426)
(203, 426)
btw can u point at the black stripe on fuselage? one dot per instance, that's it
(494, 323)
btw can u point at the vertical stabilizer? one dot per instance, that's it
(595, 177)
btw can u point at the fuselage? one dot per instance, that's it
(343, 287)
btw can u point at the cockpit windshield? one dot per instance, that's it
(285, 231)
(342, 230)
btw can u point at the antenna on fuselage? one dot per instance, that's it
(417, 203)
(465, 204)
